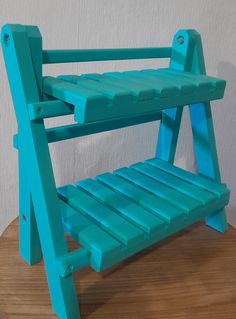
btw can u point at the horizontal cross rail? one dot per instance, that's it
(66, 132)
(89, 55)
(60, 133)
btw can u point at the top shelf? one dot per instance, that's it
(112, 95)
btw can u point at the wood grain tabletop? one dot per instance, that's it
(191, 275)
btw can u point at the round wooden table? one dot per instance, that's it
(189, 275)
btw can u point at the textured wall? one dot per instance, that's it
(121, 23)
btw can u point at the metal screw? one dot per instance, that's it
(69, 268)
(39, 110)
(180, 39)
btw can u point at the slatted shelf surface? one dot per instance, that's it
(115, 215)
(116, 94)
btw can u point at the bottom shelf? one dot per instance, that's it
(118, 214)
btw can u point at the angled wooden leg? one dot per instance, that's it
(188, 55)
(62, 292)
(29, 244)
(204, 138)
(206, 155)
(217, 220)
(20, 46)
(168, 134)
(181, 59)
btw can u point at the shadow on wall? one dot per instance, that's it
(225, 124)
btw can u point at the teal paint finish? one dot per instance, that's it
(69, 56)
(134, 195)
(112, 95)
(113, 215)
(204, 138)
(24, 89)
(29, 243)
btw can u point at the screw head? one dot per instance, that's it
(180, 39)
(39, 110)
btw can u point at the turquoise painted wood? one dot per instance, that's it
(111, 95)
(114, 215)
(152, 210)
(38, 172)
(68, 56)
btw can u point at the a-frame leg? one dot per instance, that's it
(206, 155)
(20, 44)
(29, 243)
(204, 139)
(187, 55)
(168, 134)
(181, 57)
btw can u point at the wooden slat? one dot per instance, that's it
(191, 190)
(71, 93)
(148, 76)
(187, 85)
(178, 199)
(129, 80)
(155, 204)
(137, 215)
(190, 78)
(160, 85)
(210, 186)
(111, 222)
(117, 95)
(210, 81)
(93, 238)
(137, 90)
(183, 86)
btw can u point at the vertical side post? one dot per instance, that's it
(204, 139)
(182, 49)
(21, 69)
(29, 243)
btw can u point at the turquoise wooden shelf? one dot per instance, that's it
(113, 215)
(111, 95)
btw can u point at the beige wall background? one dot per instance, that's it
(121, 23)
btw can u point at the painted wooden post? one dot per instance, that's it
(24, 85)
(29, 243)
(187, 55)
(204, 138)
(182, 47)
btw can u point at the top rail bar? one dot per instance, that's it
(89, 55)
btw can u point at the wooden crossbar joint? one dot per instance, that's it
(46, 109)
(69, 131)
(72, 261)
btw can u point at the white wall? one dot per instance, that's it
(122, 23)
